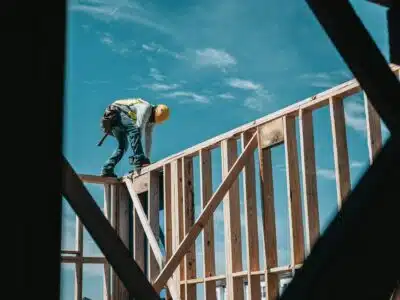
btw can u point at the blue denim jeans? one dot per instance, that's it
(125, 130)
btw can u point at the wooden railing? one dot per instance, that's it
(172, 180)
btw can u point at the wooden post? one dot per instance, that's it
(233, 244)
(269, 220)
(293, 192)
(168, 215)
(250, 206)
(374, 133)
(123, 230)
(208, 232)
(153, 215)
(177, 214)
(342, 170)
(107, 271)
(115, 225)
(309, 178)
(138, 240)
(78, 264)
(188, 220)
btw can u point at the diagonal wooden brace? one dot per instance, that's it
(150, 235)
(208, 211)
(104, 235)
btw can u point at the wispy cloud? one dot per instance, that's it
(157, 48)
(259, 96)
(253, 103)
(243, 84)
(122, 48)
(214, 57)
(355, 115)
(161, 87)
(226, 96)
(156, 74)
(328, 174)
(357, 164)
(117, 11)
(187, 97)
(85, 27)
(325, 79)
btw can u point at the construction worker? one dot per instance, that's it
(131, 120)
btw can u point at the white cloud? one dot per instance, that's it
(161, 87)
(117, 11)
(85, 27)
(226, 96)
(355, 116)
(115, 46)
(188, 97)
(329, 174)
(326, 79)
(326, 173)
(253, 103)
(357, 164)
(243, 84)
(147, 47)
(214, 57)
(156, 74)
(153, 47)
(107, 40)
(259, 96)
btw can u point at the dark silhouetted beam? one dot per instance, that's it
(105, 236)
(360, 53)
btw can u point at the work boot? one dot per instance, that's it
(108, 173)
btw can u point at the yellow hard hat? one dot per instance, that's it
(161, 113)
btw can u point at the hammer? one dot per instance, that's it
(102, 140)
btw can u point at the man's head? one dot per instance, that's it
(161, 113)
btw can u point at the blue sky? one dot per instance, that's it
(218, 66)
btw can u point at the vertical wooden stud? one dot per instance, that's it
(293, 191)
(123, 230)
(115, 225)
(342, 170)
(188, 220)
(107, 213)
(250, 206)
(168, 213)
(153, 217)
(139, 239)
(177, 228)
(269, 220)
(78, 264)
(233, 245)
(208, 231)
(374, 133)
(309, 178)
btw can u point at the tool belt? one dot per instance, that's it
(109, 119)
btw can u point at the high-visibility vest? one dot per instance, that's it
(129, 106)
